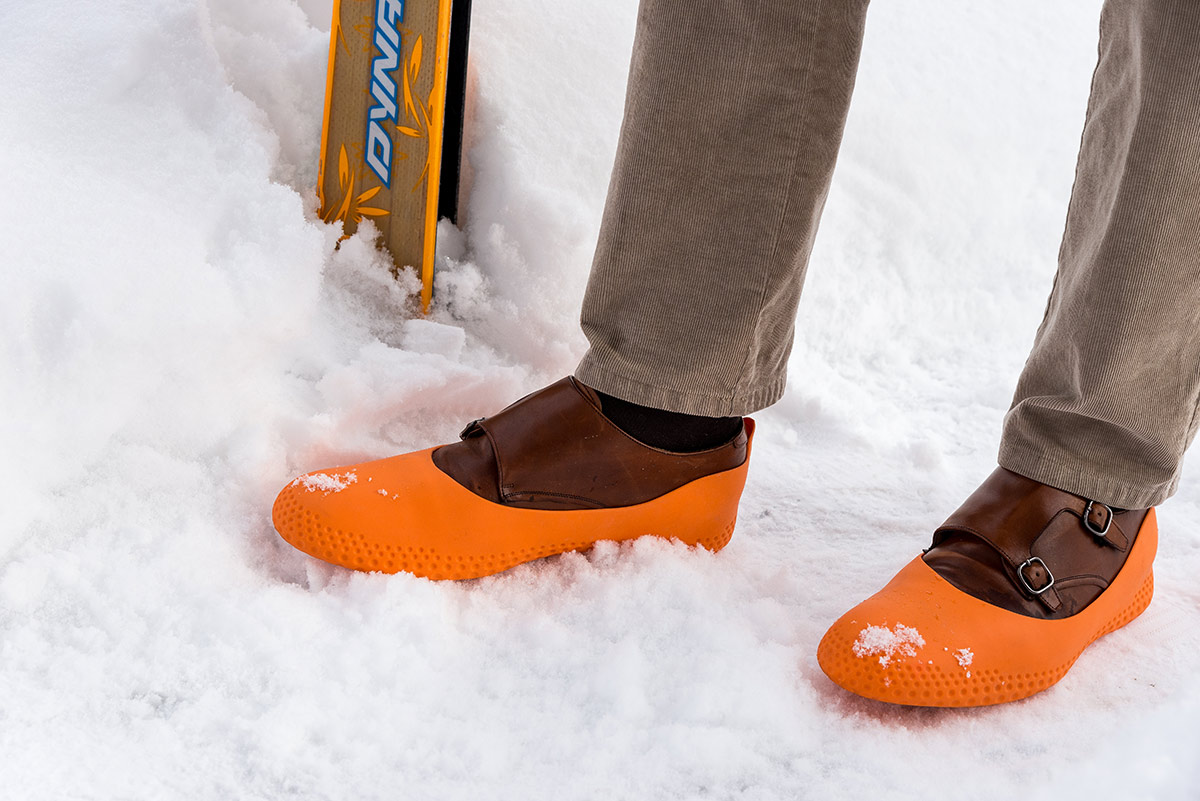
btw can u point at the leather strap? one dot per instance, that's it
(1033, 527)
(555, 449)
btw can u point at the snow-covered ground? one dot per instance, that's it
(178, 338)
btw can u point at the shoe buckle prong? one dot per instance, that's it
(1034, 560)
(1087, 519)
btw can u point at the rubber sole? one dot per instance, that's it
(403, 514)
(922, 642)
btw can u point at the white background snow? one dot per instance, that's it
(178, 338)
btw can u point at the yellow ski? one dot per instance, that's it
(385, 143)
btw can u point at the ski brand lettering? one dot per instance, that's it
(388, 14)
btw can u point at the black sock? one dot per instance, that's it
(670, 431)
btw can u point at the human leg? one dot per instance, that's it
(733, 119)
(1107, 402)
(734, 116)
(1055, 548)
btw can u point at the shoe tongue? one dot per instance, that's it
(1009, 508)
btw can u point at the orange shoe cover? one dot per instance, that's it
(920, 641)
(404, 514)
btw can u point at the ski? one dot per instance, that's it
(391, 139)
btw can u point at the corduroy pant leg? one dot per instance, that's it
(1107, 401)
(733, 118)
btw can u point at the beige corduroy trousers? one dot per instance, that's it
(733, 118)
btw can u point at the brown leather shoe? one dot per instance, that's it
(1031, 548)
(1018, 582)
(555, 449)
(546, 475)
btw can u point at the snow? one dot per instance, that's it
(179, 339)
(327, 483)
(887, 643)
(964, 657)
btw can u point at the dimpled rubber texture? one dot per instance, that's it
(403, 514)
(921, 642)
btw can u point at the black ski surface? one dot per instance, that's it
(456, 96)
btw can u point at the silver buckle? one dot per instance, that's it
(1025, 582)
(1087, 519)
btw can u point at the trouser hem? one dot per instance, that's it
(1080, 477)
(674, 399)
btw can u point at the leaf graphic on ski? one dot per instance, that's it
(382, 146)
(416, 109)
(351, 209)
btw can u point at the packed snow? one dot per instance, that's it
(888, 644)
(964, 657)
(179, 339)
(327, 483)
